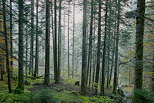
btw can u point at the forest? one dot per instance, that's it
(76, 51)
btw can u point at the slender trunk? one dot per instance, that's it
(109, 45)
(113, 51)
(68, 39)
(26, 36)
(32, 38)
(104, 51)
(59, 42)
(55, 43)
(115, 81)
(6, 47)
(64, 44)
(11, 40)
(84, 49)
(37, 40)
(73, 39)
(93, 54)
(21, 48)
(98, 48)
(90, 44)
(47, 46)
(112, 64)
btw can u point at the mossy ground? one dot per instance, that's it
(36, 92)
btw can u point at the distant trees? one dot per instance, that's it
(99, 56)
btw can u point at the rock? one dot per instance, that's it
(120, 92)
(77, 83)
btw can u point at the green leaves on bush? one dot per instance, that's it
(96, 99)
(143, 96)
(43, 96)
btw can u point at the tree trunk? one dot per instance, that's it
(11, 40)
(68, 39)
(59, 42)
(32, 38)
(55, 43)
(37, 47)
(21, 48)
(139, 45)
(90, 44)
(6, 47)
(104, 51)
(84, 49)
(47, 46)
(98, 48)
(73, 39)
(115, 81)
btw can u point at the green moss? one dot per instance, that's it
(68, 97)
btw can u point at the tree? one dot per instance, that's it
(21, 48)
(139, 45)
(6, 47)
(73, 51)
(104, 50)
(32, 39)
(55, 43)
(68, 38)
(37, 40)
(90, 44)
(98, 48)
(59, 42)
(84, 49)
(47, 46)
(11, 38)
(115, 82)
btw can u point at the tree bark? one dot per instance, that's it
(6, 47)
(55, 43)
(139, 45)
(32, 38)
(37, 47)
(115, 81)
(98, 48)
(84, 49)
(90, 44)
(73, 39)
(68, 39)
(59, 42)
(47, 46)
(21, 48)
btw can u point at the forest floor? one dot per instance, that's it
(66, 91)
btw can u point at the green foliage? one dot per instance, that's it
(68, 97)
(143, 96)
(96, 99)
(71, 80)
(43, 96)
(13, 98)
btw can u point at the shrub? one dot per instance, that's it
(43, 96)
(144, 96)
(13, 98)
(96, 99)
